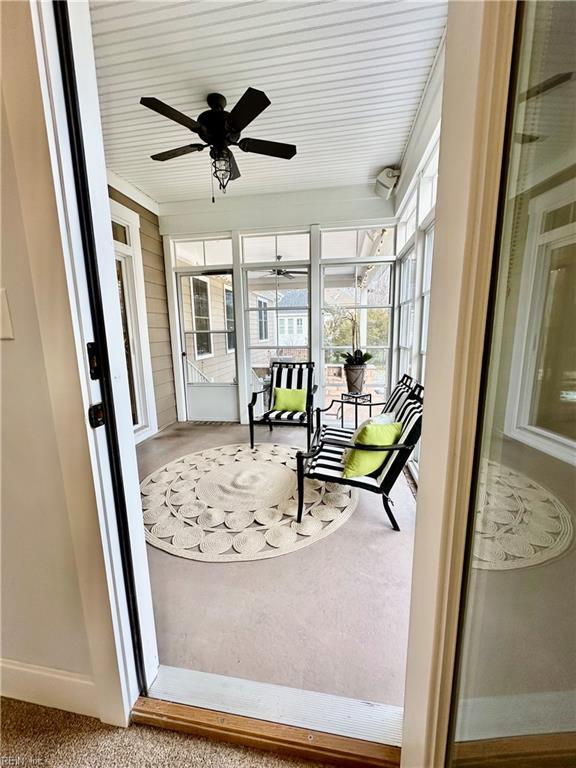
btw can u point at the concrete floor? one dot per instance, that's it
(332, 617)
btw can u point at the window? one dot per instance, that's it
(200, 253)
(356, 312)
(426, 278)
(357, 243)
(288, 247)
(406, 308)
(427, 187)
(407, 222)
(120, 233)
(273, 303)
(262, 320)
(229, 310)
(201, 308)
(541, 403)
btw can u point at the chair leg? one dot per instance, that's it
(300, 477)
(251, 423)
(388, 510)
(308, 435)
(270, 426)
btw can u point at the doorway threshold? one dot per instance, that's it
(322, 712)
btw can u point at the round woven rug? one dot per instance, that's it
(232, 503)
(519, 523)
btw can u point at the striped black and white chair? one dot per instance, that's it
(397, 398)
(325, 460)
(286, 376)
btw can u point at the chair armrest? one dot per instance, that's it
(321, 410)
(310, 454)
(255, 395)
(361, 447)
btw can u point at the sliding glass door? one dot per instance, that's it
(516, 677)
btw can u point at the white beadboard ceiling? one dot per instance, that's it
(345, 79)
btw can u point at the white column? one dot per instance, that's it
(316, 311)
(242, 357)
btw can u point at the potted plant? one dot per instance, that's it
(355, 362)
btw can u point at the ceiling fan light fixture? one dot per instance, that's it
(221, 170)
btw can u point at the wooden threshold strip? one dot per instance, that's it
(261, 734)
(546, 750)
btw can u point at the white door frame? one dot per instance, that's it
(131, 257)
(479, 45)
(478, 51)
(530, 306)
(111, 642)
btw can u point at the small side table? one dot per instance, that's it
(355, 397)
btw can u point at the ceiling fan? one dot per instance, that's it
(289, 273)
(220, 130)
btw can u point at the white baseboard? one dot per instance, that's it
(48, 687)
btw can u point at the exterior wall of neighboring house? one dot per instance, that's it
(156, 308)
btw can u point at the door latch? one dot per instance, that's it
(93, 360)
(96, 415)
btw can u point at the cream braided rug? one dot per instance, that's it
(232, 503)
(519, 523)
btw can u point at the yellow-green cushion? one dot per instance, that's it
(359, 463)
(289, 399)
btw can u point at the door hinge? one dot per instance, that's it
(96, 415)
(93, 360)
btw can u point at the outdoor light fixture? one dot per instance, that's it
(222, 170)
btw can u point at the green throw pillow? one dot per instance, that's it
(289, 399)
(381, 418)
(359, 463)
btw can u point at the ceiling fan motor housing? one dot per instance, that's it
(215, 127)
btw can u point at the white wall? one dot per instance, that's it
(49, 514)
(333, 206)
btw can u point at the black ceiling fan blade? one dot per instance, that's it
(234, 170)
(250, 105)
(170, 153)
(270, 148)
(172, 114)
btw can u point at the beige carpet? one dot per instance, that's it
(38, 736)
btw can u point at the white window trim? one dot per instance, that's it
(265, 309)
(530, 305)
(207, 281)
(131, 254)
(228, 289)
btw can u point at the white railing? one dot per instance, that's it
(195, 375)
